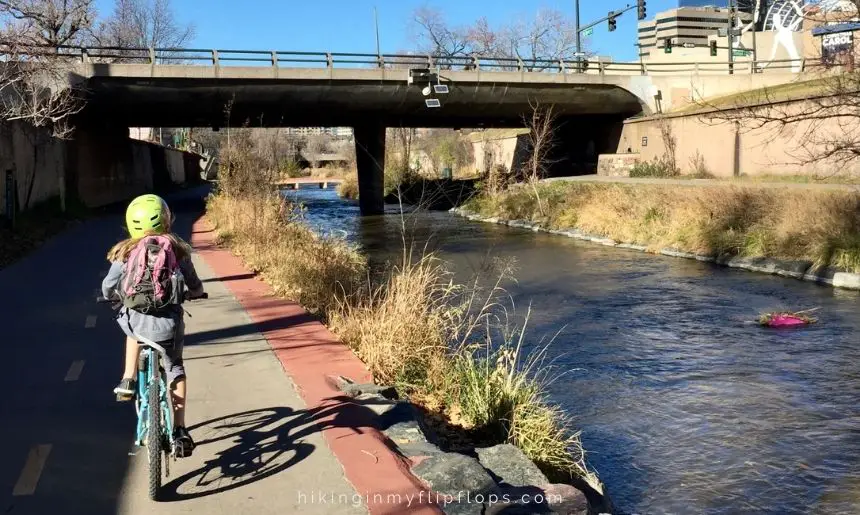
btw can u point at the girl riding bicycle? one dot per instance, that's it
(149, 215)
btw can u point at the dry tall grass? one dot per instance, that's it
(266, 231)
(814, 225)
(348, 188)
(299, 264)
(415, 328)
(432, 338)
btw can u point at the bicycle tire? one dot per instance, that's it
(153, 435)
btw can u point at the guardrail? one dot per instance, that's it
(278, 58)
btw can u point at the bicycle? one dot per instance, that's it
(153, 403)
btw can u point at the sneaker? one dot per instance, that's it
(183, 444)
(125, 390)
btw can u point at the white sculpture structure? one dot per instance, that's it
(783, 17)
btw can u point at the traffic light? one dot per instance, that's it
(611, 21)
(640, 9)
(667, 45)
(714, 48)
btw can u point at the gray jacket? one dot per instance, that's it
(158, 328)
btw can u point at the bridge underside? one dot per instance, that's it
(142, 102)
(585, 111)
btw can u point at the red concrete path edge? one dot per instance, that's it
(309, 352)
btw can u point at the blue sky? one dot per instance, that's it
(347, 25)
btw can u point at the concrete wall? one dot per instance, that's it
(26, 150)
(498, 147)
(729, 150)
(102, 165)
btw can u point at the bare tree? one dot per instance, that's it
(403, 138)
(541, 141)
(317, 145)
(143, 24)
(436, 37)
(48, 23)
(549, 36)
(35, 86)
(670, 145)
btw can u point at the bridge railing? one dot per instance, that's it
(293, 59)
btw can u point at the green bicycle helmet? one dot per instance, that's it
(147, 214)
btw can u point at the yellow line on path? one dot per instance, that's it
(29, 478)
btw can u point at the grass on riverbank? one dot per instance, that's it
(315, 271)
(348, 188)
(814, 225)
(415, 328)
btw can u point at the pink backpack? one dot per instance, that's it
(149, 281)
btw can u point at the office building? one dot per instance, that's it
(742, 5)
(684, 25)
(337, 132)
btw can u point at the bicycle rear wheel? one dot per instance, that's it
(153, 434)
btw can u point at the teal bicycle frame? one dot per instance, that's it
(154, 406)
(149, 374)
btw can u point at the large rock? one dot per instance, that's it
(510, 465)
(455, 475)
(403, 432)
(565, 499)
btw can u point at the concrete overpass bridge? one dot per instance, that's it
(192, 88)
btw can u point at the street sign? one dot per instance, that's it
(741, 52)
(579, 54)
(588, 32)
(689, 45)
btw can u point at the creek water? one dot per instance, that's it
(685, 406)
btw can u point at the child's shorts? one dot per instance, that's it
(173, 366)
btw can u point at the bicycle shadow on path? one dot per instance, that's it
(263, 443)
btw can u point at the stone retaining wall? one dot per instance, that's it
(802, 270)
(616, 165)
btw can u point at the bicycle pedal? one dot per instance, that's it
(122, 397)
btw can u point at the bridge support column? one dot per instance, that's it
(370, 161)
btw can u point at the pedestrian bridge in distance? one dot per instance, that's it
(185, 88)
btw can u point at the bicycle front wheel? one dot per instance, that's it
(153, 434)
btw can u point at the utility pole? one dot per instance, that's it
(756, 15)
(731, 37)
(376, 22)
(578, 38)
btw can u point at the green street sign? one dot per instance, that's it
(588, 32)
(741, 53)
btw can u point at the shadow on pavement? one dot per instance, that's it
(229, 277)
(263, 443)
(225, 333)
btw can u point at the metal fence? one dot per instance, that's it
(292, 59)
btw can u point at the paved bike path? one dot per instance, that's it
(65, 442)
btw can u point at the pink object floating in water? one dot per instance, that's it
(786, 321)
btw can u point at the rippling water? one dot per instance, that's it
(684, 405)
